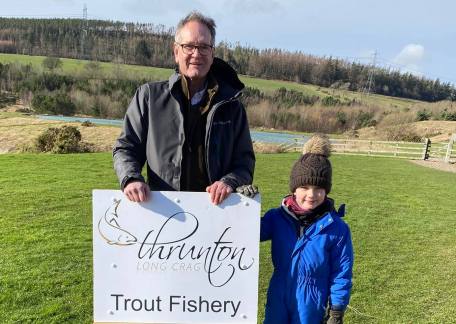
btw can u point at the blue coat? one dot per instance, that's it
(310, 269)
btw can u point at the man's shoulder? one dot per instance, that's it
(155, 85)
(153, 90)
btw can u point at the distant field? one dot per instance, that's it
(401, 216)
(73, 66)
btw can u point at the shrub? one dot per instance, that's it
(25, 111)
(66, 139)
(330, 101)
(52, 63)
(251, 96)
(87, 123)
(288, 98)
(259, 147)
(423, 115)
(58, 104)
(341, 118)
(365, 119)
(7, 99)
(46, 81)
(447, 115)
(402, 133)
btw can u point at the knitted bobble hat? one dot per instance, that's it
(313, 167)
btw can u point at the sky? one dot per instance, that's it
(416, 36)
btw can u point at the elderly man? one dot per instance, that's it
(191, 130)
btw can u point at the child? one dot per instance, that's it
(311, 246)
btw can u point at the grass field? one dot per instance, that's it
(402, 218)
(73, 66)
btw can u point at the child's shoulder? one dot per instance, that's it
(337, 217)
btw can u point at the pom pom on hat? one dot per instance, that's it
(313, 167)
(318, 144)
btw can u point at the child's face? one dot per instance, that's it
(309, 197)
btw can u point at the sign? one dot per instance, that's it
(176, 258)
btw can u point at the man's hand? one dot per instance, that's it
(247, 190)
(137, 191)
(218, 191)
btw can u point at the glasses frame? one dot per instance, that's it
(201, 48)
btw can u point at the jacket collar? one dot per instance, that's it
(225, 76)
(327, 220)
(323, 222)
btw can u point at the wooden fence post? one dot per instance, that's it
(450, 148)
(427, 145)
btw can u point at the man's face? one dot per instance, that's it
(195, 65)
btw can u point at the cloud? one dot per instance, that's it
(410, 58)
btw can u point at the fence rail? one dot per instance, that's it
(402, 150)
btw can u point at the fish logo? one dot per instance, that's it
(111, 231)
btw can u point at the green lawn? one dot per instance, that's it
(402, 218)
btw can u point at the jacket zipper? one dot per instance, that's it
(208, 133)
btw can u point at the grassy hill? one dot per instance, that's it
(73, 66)
(391, 118)
(403, 234)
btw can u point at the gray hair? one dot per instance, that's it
(199, 17)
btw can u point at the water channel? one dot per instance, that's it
(258, 136)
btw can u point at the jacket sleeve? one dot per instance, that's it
(129, 151)
(341, 268)
(243, 157)
(266, 227)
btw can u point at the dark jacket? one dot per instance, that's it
(310, 268)
(153, 132)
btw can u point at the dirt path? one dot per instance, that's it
(439, 165)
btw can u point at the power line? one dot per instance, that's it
(403, 68)
(84, 30)
(370, 77)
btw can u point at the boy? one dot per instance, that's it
(311, 246)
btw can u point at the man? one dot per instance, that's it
(191, 130)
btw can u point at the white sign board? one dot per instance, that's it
(176, 258)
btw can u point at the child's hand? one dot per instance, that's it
(247, 190)
(335, 317)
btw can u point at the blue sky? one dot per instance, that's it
(418, 36)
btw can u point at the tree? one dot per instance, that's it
(142, 53)
(58, 104)
(52, 63)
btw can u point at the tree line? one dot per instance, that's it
(150, 44)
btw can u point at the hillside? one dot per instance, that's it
(349, 113)
(149, 44)
(113, 70)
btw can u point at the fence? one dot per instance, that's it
(402, 150)
(451, 150)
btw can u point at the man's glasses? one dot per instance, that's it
(189, 49)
